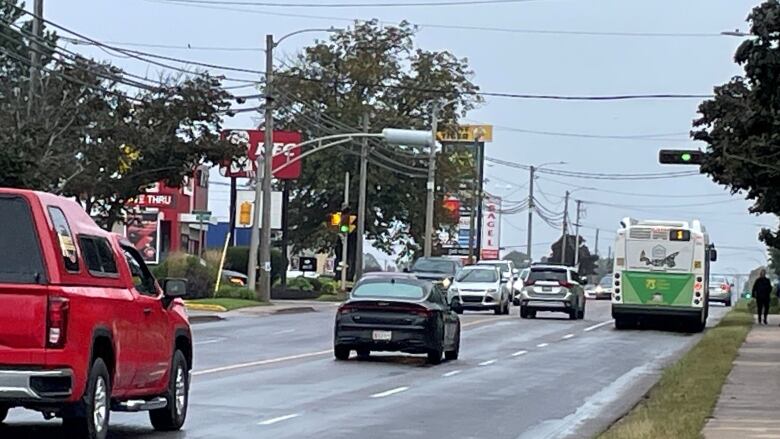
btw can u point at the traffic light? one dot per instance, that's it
(681, 156)
(347, 222)
(245, 214)
(335, 219)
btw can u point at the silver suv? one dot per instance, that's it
(554, 288)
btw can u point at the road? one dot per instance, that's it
(275, 377)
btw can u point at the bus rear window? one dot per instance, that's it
(20, 254)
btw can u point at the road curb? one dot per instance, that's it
(205, 307)
(294, 310)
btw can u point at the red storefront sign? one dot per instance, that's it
(285, 150)
(154, 200)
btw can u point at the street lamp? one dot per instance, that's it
(263, 192)
(431, 184)
(533, 170)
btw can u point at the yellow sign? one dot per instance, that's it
(468, 133)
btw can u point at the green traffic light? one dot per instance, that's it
(344, 229)
(686, 157)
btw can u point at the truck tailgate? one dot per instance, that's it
(22, 323)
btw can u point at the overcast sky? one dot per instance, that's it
(691, 61)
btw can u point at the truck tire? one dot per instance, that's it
(96, 404)
(172, 417)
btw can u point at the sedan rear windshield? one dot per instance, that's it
(477, 276)
(434, 266)
(549, 274)
(389, 289)
(20, 254)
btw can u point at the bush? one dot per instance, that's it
(329, 286)
(774, 305)
(201, 277)
(237, 259)
(300, 283)
(235, 292)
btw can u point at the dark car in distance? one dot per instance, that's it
(436, 269)
(397, 313)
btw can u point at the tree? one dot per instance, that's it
(520, 259)
(774, 260)
(95, 135)
(375, 70)
(740, 124)
(587, 262)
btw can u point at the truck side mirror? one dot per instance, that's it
(173, 288)
(713, 255)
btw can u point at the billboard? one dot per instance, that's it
(491, 227)
(143, 231)
(285, 149)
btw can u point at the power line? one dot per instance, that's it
(349, 5)
(596, 176)
(458, 27)
(633, 137)
(185, 47)
(632, 194)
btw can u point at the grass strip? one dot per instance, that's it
(680, 403)
(226, 303)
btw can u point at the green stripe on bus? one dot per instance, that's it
(643, 288)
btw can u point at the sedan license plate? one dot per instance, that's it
(382, 335)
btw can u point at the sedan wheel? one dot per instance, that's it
(341, 353)
(455, 352)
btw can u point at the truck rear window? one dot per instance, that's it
(20, 253)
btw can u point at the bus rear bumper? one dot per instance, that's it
(619, 311)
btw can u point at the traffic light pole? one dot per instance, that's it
(361, 213)
(345, 237)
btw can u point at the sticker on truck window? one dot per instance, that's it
(65, 238)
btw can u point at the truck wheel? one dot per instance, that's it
(96, 404)
(172, 417)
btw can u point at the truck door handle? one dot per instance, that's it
(147, 311)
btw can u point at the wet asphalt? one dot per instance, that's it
(275, 377)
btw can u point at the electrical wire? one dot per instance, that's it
(596, 176)
(349, 5)
(609, 191)
(457, 27)
(633, 137)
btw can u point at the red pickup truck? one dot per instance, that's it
(85, 329)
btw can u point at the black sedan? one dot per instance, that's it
(397, 313)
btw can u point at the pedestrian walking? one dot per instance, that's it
(762, 290)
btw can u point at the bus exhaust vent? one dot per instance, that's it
(640, 233)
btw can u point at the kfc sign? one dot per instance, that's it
(285, 150)
(154, 200)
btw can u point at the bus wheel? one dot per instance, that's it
(622, 323)
(696, 325)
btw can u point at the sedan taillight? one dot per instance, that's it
(57, 322)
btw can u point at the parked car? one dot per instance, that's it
(85, 329)
(480, 288)
(720, 290)
(436, 269)
(234, 278)
(397, 312)
(554, 288)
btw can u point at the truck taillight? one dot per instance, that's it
(57, 322)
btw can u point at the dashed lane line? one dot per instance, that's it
(279, 419)
(591, 328)
(390, 392)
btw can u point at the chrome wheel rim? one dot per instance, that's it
(181, 391)
(100, 409)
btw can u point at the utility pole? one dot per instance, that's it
(480, 195)
(431, 184)
(35, 49)
(529, 246)
(361, 214)
(474, 211)
(577, 239)
(345, 237)
(597, 242)
(565, 228)
(263, 191)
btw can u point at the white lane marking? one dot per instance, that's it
(279, 419)
(285, 331)
(567, 336)
(519, 353)
(212, 341)
(453, 373)
(542, 345)
(261, 362)
(487, 363)
(390, 392)
(591, 328)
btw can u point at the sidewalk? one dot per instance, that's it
(278, 307)
(749, 403)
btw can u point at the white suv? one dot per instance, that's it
(478, 288)
(554, 288)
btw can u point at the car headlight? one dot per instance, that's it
(598, 289)
(491, 290)
(446, 283)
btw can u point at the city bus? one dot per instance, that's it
(661, 270)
